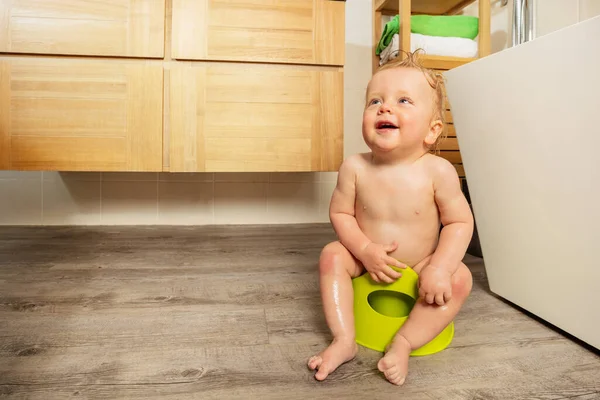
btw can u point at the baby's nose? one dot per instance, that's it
(385, 107)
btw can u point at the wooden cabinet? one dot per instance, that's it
(129, 28)
(80, 115)
(226, 118)
(181, 85)
(288, 31)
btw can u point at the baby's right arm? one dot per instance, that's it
(373, 256)
(341, 210)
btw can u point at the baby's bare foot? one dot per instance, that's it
(338, 352)
(394, 364)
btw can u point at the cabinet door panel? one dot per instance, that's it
(80, 115)
(225, 118)
(289, 31)
(130, 28)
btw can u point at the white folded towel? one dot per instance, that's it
(391, 50)
(432, 45)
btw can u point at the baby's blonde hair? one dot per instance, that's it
(435, 80)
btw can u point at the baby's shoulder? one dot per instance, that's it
(354, 163)
(439, 168)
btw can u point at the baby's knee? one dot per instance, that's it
(462, 281)
(332, 256)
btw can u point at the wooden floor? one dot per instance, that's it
(234, 313)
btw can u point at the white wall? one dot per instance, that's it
(34, 198)
(556, 14)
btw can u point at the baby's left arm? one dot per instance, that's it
(435, 284)
(456, 217)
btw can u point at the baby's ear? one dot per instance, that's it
(435, 130)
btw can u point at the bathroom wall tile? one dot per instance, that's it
(553, 15)
(53, 176)
(358, 50)
(359, 68)
(20, 175)
(21, 201)
(185, 203)
(240, 203)
(296, 202)
(359, 23)
(294, 177)
(354, 101)
(186, 176)
(328, 176)
(325, 192)
(71, 200)
(588, 9)
(132, 202)
(129, 176)
(241, 177)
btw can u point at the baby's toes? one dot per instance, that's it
(397, 379)
(391, 374)
(323, 372)
(314, 362)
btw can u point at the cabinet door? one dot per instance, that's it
(80, 115)
(251, 117)
(288, 31)
(132, 28)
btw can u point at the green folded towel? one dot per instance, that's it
(462, 26)
(389, 30)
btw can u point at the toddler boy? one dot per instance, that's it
(387, 208)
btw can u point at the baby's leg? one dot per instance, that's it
(337, 267)
(424, 323)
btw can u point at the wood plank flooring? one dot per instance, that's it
(234, 313)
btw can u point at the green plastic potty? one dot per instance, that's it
(380, 309)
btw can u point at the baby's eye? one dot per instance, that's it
(374, 101)
(404, 100)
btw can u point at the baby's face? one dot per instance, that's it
(398, 110)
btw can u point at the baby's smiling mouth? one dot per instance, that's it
(385, 125)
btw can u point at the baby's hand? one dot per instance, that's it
(377, 262)
(435, 285)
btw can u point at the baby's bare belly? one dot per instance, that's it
(416, 239)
